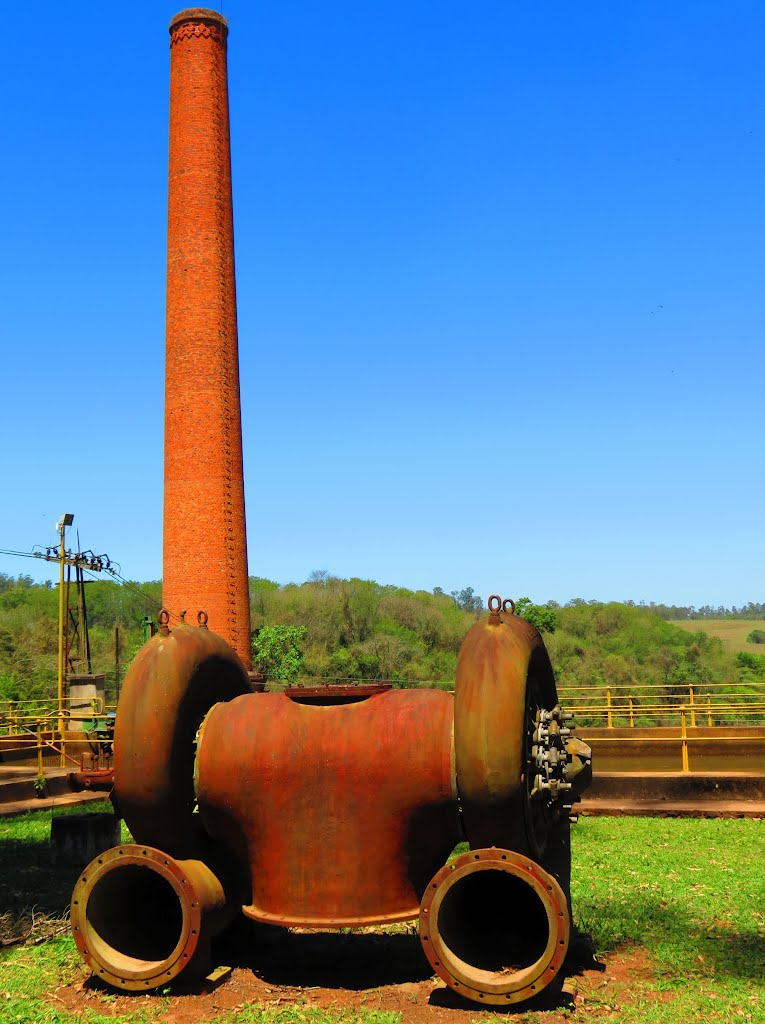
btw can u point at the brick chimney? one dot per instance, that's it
(205, 541)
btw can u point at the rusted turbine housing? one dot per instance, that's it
(337, 809)
(172, 683)
(503, 675)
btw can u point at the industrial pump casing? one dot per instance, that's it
(329, 807)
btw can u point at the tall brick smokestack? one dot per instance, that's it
(205, 543)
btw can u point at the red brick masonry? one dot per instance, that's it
(205, 542)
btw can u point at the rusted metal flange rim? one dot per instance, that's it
(488, 986)
(118, 967)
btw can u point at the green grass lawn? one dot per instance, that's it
(732, 632)
(686, 897)
(691, 894)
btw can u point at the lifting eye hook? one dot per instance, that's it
(497, 605)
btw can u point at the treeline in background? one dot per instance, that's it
(334, 628)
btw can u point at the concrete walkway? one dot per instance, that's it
(675, 795)
(17, 791)
(50, 803)
(671, 809)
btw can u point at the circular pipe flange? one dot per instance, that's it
(136, 916)
(477, 961)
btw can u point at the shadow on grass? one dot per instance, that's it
(689, 946)
(29, 880)
(362, 961)
(669, 934)
(28, 877)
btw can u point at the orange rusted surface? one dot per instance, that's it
(172, 684)
(95, 779)
(110, 900)
(344, 811)
(503, 674)
(339, 806)
(495, 926)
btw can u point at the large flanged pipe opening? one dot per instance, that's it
(137, 915)
(135, 918)
(494, 922)
(495, 926)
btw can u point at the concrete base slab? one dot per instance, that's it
(676, 794)
(672, 809)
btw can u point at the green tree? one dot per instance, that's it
(468, 600)
(752, 666)
(540, 615)
(277, 653)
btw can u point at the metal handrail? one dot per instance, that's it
(653, 686)
(35, 718)
(708, 703)
(9, 706)
(684, 738)
(18, 714)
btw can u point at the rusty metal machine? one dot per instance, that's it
(328, 808)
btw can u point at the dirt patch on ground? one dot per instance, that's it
(278, 969)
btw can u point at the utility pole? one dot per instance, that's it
(66, 520)
(117, 662)
(80, 560)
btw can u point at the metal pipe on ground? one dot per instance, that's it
(140, 917)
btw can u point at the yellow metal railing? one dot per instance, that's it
(683, 738)
(11, 709)
(27, 725)
(708, 715)
(39, 742)
(32, 726)
(707, 704)
(691, 709)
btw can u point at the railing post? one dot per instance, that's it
(632, 713)
(608, 705)
(39, 749)
(709, 711)
(684, 739)
(693, 707)
(12, 715)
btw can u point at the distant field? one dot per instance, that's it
(732, 632)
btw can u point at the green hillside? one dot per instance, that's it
(335, 628)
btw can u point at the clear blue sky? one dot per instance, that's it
(500, 272)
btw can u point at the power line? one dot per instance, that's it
(91, 564)
(20, 554)
(148, 600)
